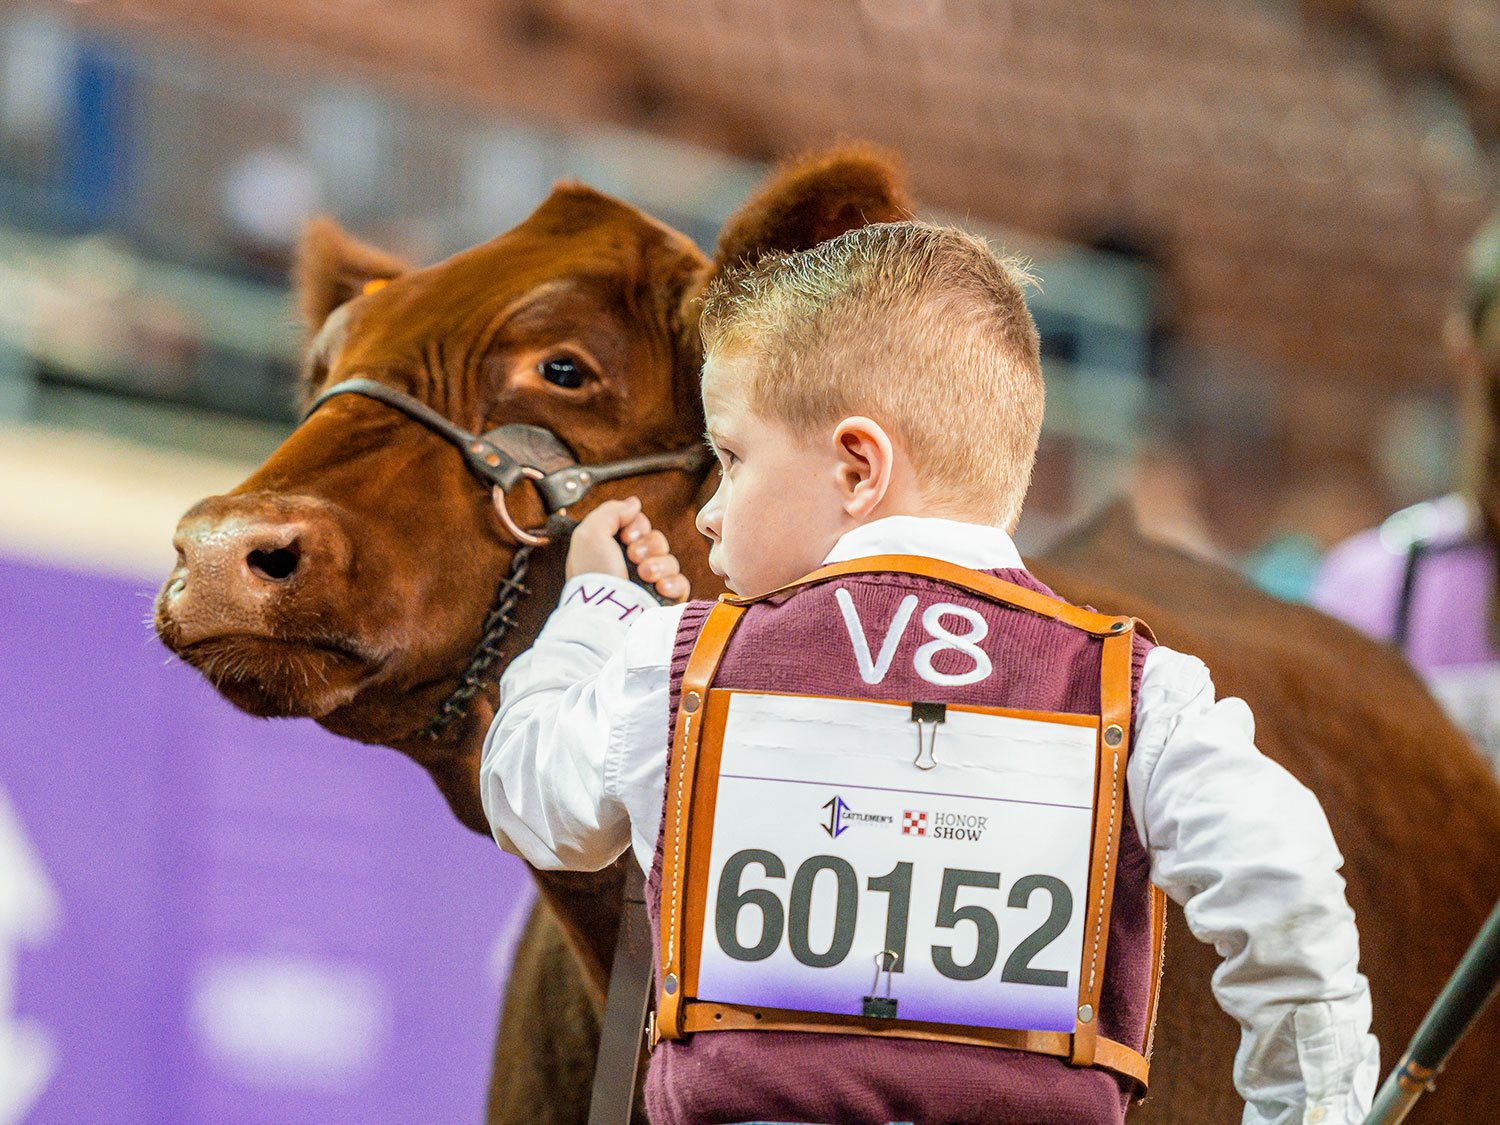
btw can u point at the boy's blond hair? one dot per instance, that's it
(917, 326)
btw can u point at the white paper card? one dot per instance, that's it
(831, 847)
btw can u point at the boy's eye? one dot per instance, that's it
(725, 457)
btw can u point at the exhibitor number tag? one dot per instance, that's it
(960, 887)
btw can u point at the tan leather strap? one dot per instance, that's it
(696, 677)
(985, 585)
(699, 1015)
(1158, 928)
(1158, 962)
(1115, 1056)
(1109, 807)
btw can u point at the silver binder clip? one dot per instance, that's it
(927, 716)
(882, 1007)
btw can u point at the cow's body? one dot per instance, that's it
(347, 578)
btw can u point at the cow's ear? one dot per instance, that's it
(331, 267)
(813, 198)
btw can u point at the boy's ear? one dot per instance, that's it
(331, 268)
(868, 464)
(813, 198)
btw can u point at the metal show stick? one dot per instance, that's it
(1468, 991)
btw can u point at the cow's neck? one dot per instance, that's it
(452, 759)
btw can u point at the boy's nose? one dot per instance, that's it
(708, 521)
(706, 526)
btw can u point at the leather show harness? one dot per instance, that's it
(504, 457)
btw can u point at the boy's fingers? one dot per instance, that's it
(655, 543)
(613, 515)
(635, 529)
(658, 567)
(674, 586)
(627, 513)
(594, 547)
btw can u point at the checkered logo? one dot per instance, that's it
(913, 823)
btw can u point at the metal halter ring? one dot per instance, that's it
(530, 538)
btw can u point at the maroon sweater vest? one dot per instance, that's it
(798, 643)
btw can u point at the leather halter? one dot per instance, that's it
(514, 452)
(504, 457)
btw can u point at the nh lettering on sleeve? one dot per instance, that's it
(599, 597)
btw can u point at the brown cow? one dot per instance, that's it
(346, 580)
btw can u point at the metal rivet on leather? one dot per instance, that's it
(1117, 627)
(1085, 1013)
(669, 985)
(1113, 735)
(690, 702)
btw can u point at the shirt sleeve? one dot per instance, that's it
(1246, 850)
(550, 758)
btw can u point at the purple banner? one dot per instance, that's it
(207, 917)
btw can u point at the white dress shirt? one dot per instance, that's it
(575, 763)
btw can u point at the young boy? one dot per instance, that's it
(880, 396)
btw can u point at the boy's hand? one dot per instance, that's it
(596, 548)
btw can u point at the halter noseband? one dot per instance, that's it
(504, 457)
(514, 452)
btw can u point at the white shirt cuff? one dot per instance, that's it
(597, 610)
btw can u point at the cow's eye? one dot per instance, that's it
(562, 372)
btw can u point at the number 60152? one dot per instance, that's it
(795, 918)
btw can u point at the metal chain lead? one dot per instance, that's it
(497, 624)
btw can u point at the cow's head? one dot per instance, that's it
(347, 579)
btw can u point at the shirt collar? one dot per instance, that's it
(977, 546)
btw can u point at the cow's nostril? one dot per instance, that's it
(276, 564)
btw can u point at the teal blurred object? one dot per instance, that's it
(1285, 566)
